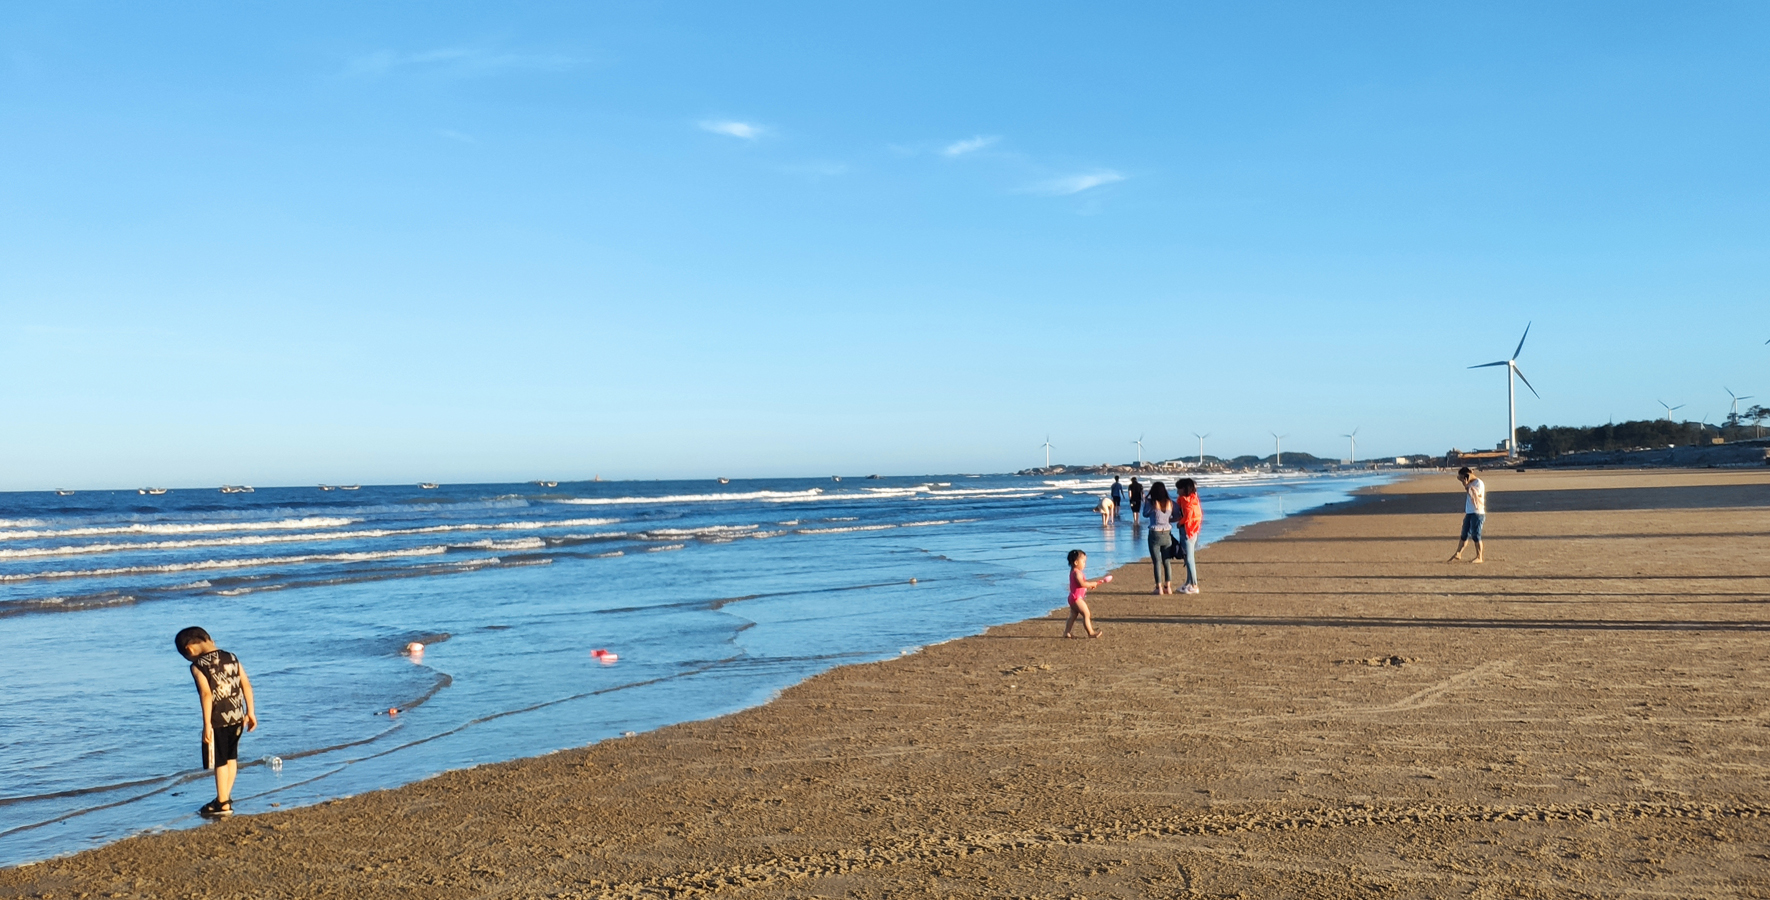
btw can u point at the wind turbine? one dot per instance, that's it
(1047, 451)
(1278, 449)
(1669, 409)
(1139, 443)
(1511, 394)
(1201, 445)
(1734, 413)
(1353, 437)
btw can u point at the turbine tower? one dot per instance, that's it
(1734, 413)
(1353, 437)
(1047, 451)
(1669, 409)
(1201, 445)
(1139, 443)
(1511, 393)
(1278, 449)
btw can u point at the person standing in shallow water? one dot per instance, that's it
(1118, 496)
(1136, 499)
(1159, 510)
(225, 694)
(1474, 514)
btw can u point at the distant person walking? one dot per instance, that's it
(1159, 510)
(1118, 496)
(1136, 499)
(1192, 518)
(1474, 514)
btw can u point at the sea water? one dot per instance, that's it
(714, 597)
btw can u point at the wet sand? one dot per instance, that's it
(1340, 714)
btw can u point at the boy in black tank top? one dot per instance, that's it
(226, 697)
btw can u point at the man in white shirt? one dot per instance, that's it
(1474, 513)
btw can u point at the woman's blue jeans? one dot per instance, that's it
(1159, 542)
(1188, 550)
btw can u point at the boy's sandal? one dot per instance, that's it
(216, 809)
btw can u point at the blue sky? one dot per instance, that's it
(470, 242)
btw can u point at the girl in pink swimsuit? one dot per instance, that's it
(1079, 586)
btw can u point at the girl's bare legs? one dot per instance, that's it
(1087, 618)
(1073, 616)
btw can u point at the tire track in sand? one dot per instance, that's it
(932, 847)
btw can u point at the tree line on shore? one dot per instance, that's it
(1556, 440)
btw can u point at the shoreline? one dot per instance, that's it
(1307, 698)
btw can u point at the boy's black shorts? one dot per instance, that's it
(226, 748)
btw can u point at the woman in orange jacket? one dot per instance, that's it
(1191, 519)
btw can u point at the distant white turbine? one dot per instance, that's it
(1511, 395)
(1201, 445)
(1734, 412)
(1278, 449)
(1353, 437)
(1669, 409)
(1047, 451)
(1139, 443)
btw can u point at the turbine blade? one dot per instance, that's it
(1486, 365)
(1525, 380)
(1521, 341)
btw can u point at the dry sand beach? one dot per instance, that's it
(1340, 714)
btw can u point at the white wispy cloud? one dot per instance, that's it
(747, 130)
(454, 135)
(969, 145)
(457, 61)
(1075, 184)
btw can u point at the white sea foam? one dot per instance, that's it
(20, 523)
(178, 528)
(844, 529)
(766, 496)
(212, 564)
(531, 543)
(664, 548)
(703, 531)
(301, 538)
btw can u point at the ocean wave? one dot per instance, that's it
(214, 564)
(302, 538)
(665, 548)
(177, 528)
(766, 496)
(843, 529)
(531, 543)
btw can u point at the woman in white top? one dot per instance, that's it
(1160, 510)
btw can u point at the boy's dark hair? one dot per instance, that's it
(1075, 555)
(189, 636)
(1464, 471)
(1186, 487)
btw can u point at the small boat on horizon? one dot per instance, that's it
(548, 483)
(835, 478)
(429, 485)
(724, 481)
(327, 487)
(61, 493)
(151, 491)
(349, 487)
(234, 489)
